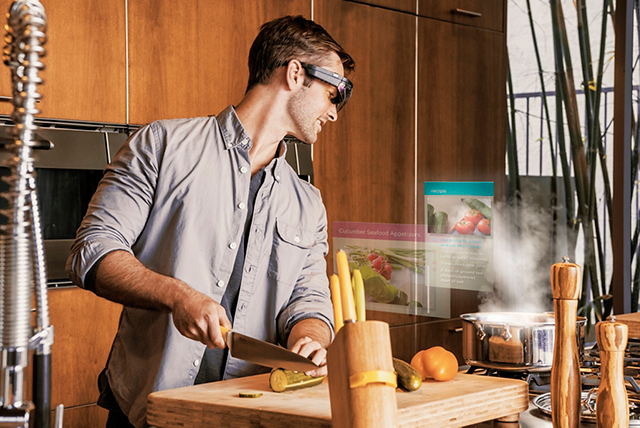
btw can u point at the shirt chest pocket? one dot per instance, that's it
(291, 245)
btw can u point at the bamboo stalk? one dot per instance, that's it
(512, 149)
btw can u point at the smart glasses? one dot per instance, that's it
(341, 83)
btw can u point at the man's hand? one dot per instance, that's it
(310, 338)
(199, 317)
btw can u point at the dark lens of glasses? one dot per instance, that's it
(341, 83)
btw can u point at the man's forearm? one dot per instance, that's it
(123, 279)
(312, 328)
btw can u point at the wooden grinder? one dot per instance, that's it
(612, 408)
(565, 372)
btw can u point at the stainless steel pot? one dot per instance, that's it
(512, 341)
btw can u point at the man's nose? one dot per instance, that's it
(333, 113)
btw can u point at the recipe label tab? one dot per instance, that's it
(459, 236)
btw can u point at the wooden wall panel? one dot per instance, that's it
(364, 163)
(84, 327)
(84, 78)
(461, 107)
(192, 60)
(399, 5)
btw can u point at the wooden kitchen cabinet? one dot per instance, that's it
(365, 162)
(84, 327)
(487, 14)
(399, 5)
(84, 75)
(84, 78)
(372, 164)
(191, 60)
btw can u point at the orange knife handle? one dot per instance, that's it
(334, 282)
(348, 306)
(224, 330)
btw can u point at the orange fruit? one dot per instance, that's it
(436, 363)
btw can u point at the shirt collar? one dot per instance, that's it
(234, 136)
(232, 130)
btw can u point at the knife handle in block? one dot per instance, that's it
(565, 370)
(334, 283)
(358, 292)
(348, 306)
(612, 408)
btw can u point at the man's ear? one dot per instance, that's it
(294, 74)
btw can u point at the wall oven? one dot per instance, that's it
(67, 175)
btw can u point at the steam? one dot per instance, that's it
(523, 254)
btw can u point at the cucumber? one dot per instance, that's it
(286, 380)
(441, 219)
(408, 377)
(430, 217)
(250, 394)
(475, 204)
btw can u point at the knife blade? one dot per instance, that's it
(264, 353)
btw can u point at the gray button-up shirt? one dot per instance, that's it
(175, 196)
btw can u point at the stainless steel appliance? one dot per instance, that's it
(67, 175)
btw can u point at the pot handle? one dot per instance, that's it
(480, 331)
(506, 333)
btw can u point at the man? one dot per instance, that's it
(200, 222)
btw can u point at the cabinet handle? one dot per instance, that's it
(456, 330)
(468, 13)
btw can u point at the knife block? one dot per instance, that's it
(360, 348)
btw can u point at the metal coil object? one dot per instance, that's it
(23, 267)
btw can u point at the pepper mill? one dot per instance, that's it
(565, 372)
(612, 408)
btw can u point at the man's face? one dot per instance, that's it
(311, 107)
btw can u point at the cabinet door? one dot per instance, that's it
(84, 75)
(399, 5)
(364, 163)
(461, 113)
(84, 327)
(190, 58)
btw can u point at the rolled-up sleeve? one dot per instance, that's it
(119, 209)
(311, 297)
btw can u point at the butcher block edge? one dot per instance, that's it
(465, 400)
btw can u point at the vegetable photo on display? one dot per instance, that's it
(379, 266)
(469, 216)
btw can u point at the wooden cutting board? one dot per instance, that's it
(465, 400)
(633, 322)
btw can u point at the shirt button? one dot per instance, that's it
(242, 205)
(277, 178)
(296, 239)
(220, 283)
(196, 362)
(243, 169)
(248, 268)
(233, 245)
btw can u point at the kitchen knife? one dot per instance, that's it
(264, 353)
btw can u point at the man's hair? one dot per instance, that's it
(287, 38)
